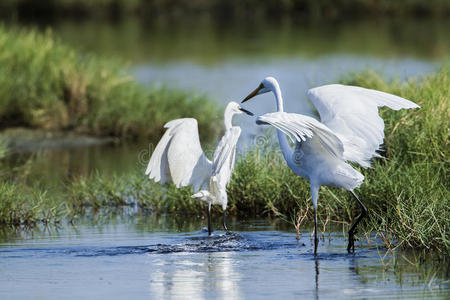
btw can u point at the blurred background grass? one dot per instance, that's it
(46, 84)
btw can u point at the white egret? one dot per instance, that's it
(350, 129)
(179, 157)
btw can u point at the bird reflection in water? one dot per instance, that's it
(316, 291)
(199, 276)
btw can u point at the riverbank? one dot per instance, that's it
(46, 84)
(405, 191)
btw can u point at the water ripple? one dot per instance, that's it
(229, 241)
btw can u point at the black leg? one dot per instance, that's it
(224, 221)
(352, 231)
(209, 219)
(316, 240)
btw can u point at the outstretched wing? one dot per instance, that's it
(352, 114)
(300, 128)
(179, 156)
(224, 156)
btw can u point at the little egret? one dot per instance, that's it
(179, 157)
(350, 129)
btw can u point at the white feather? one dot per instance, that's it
(224, 156)
(300, 128)
(179, 156)
(352, 114)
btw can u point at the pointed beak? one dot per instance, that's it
(253, 94)
(246, 111)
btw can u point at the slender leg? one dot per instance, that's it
(224, 220)
(315, 197)
(352, 231)
(316, 240)
(209, 219)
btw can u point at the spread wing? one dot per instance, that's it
(179, 156)
(352, 114)
(301, 128)
(224, 156)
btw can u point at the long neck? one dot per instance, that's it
(278, 97)
(282, 139)
(227, 118)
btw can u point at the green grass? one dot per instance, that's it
(409, 190)
(46, 84)
(406, 191)
(20, 205)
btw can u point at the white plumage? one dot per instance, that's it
(179, 158)
(350, 129)
(352, 114)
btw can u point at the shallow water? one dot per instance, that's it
(170, 257)
(108, 256)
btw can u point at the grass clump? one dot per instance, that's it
(22, 206)
(46, 84)
(133, 189)
(409, 190)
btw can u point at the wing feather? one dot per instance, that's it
(179, 157)
(299, 128)
(224, 156)
(352, 114)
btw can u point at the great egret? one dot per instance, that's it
(179, 157)
(350, 129)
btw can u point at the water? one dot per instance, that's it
(108, 256)
(159, 257)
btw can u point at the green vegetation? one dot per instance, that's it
(46, 84)
(20, 205)
(221, 8)
(3, 148)
(406, 191)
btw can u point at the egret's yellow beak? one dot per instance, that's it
(253, 94)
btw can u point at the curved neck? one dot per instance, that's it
(227, 118)
(278, 97)
(282, 139)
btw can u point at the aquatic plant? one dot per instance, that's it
(22, 205)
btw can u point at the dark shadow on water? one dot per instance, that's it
(198, 243)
